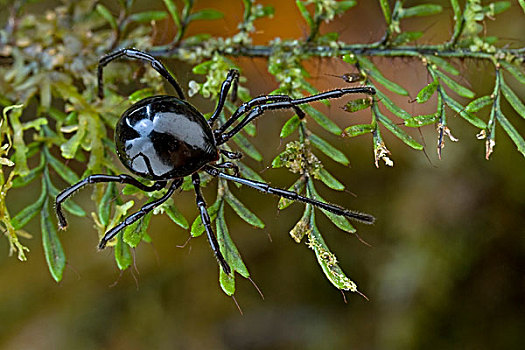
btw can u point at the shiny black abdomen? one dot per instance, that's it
(162, 137)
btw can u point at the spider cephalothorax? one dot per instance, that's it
(164, 138)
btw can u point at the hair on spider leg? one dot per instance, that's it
(165, 139)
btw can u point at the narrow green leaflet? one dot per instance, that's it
(304, 12)
(147, 16)
(106, 14)
(322, 120)
(385, 7)
(227, 282)
(358, 129)
(176, 216)
(513, 99)
(241, 210)
(455, 86)
(62, 170)
(248, 172)
(122, 254)
(302, 227)
(427, 92)
(443, 64)
(391, 106)
(205, 14)
(514, 70)
(25, 215)
(329, 180)
(247, 147)
(53, 251)
(230, 253)
(328, 149)
(378, 76)
(458, 108)
(22, 181)
(20, 157)
(104, 208)
(327, 260)
(420, 10)
(133, 233)
(357, 105)
(174, 13)
(513, 133)
(421, 120)
(479, 103)
(397, 131)
(290, 126)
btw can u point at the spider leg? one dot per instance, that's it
(231, 78)
(146, 208)
(206, 221)
(264, 187)
(231, 155)
(257, 101)
(222, 137)
(123, 179)
(228, 165)
(139, 55)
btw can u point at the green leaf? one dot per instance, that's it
(106, 14)
(513, 99)
(63, 171)
(290, 126)
(427, 92)
(512, 132)
(455, 86)
(397, 131)
(421, 120)
(25, 215)
(443, 64)
(147, 16)
(328, 149)
(122, 254)
(228, 248)
(496, 7)
(133, 233)
(391, 106)
(378, 76)
(304, 12)
(479, 103)
(241, 210)
(328, 261)
(385, 7)
(205, 14)
(176, 216)
(174, 13)
(345, 5)
(514, 70)
(420, 10)
(202, 68)
(458, 108)
(322, 120)
(227, 282)
(359, 129)
(249, 173)
(53, 251)
(329, 180)
(406, 37)
(357, 105)
(247, 147)
(104, 207)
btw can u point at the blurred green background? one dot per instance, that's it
(446, 268)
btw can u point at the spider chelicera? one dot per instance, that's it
(164, 138)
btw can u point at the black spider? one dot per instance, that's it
(163, 138)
